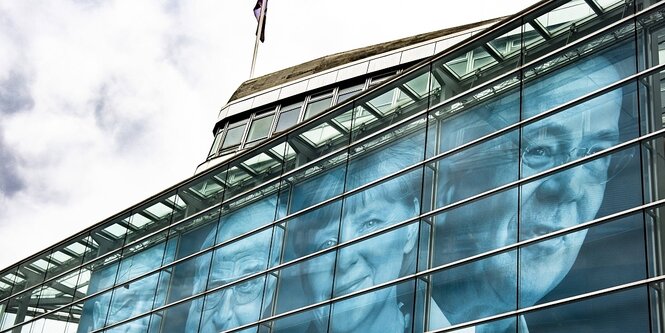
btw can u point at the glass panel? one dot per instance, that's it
(564, 16)
(386, 154)
(215, 144)
(474, 290)
(585, 129)
(475, 115)
(304, 283)
(259, 128)
(140, 263)
(652, 102)
(315, 320)
(480, 226)
(312, 231)
(376, 260)
(318, 182)
(202, 192)
(599, 187)
(388, 309)
(625, 311)
(346, 93)
(189, 236)
(176, 319)
(591, 259)
(234, 306)
(233, 136)
(288, 117)
(476, 169)
(240, 217)
(608, 3)
(317, 105)
(181, 277)
(139, 325)
(95, 312)
(579, 78)
(238, 259)
(132, 299)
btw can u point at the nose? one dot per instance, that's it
(347, 257)
(225, 317)
(566, 186)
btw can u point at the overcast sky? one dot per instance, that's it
(106, 102)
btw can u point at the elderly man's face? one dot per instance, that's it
(241, 303)
(547, 204)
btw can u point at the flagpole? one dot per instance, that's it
(258, 37)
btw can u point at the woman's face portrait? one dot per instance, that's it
(367, 263)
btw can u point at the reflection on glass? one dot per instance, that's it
(241, 303)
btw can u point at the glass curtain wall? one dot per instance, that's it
(512, 184)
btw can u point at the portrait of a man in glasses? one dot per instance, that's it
(560, 154)
(242, 297)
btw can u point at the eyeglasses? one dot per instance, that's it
(241, 293)
(601, 170)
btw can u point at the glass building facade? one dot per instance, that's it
(512, 183)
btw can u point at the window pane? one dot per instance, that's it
(316, 107)
(585, 129)
(287, 117)
(233, 137)
(388, 309)
(474, 228)
(475, 290)
(625, 311)
(477, 169)
(599, 187)
(591, 259)
(575, 79)
(259, 128)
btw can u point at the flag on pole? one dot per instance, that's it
(259, 11)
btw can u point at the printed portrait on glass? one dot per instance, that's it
(130, 298)
(378, 259)
(243, 302)
(540, 206)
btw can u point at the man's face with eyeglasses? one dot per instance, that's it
(240, 303)
(557, 201)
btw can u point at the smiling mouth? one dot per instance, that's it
(353, 285)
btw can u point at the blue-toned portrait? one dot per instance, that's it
(130, 298)
(384, 256)
(240, 302)
(548, 200)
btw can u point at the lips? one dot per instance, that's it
(346, 287)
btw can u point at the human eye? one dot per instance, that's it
(370, 225)
(538, 156)
(248, 291)
(328, 243)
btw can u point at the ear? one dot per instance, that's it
(412, 229)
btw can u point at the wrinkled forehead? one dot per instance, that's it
(247, 218)
(540, 94)
(565, 84)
